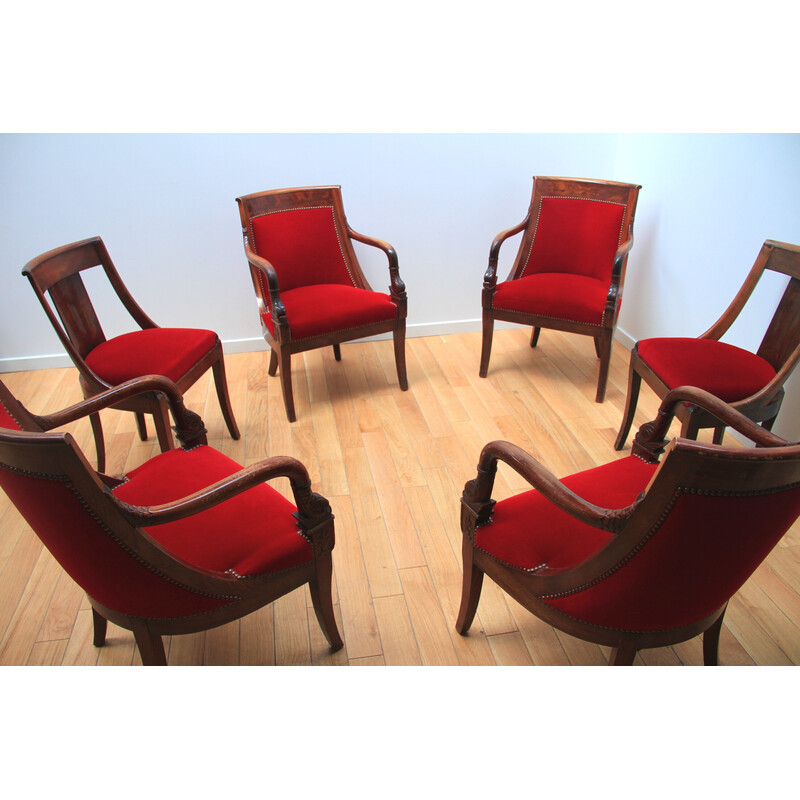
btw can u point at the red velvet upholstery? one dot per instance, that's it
(577, 236)
(89, 554)
(302, 245)
(320, 309)
(528, 531)
(250, 534)
(727, 371)
(556, 295)
(659, 587)
(171, 352)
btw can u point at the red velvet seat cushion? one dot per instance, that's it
(528, 531)
(727, 371)
(249, 534)
(559, 295)
(171, 352)
(302, 245)
(329, 307)
(576, 236)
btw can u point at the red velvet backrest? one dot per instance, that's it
(88, 550)
(304, 246)
(575, 235)
(693, 557)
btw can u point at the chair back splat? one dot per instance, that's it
(309, 286)
(753, 383)
(569, 271)
(181, 354)
(639, 552)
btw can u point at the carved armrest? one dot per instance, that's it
(397, 287)
(490, 278)
(477, 493)
(277, 309)
(188, 426)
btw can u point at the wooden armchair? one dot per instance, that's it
(185, 542)
(569, 271)
(635, 553)
(181, 354)
(310, 289)
(751, 382)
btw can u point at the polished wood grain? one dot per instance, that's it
(421, 446)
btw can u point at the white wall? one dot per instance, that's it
(164, 204)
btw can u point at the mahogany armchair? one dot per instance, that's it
(751, 382)
(185, 542)
(181, 354)
(310, 289)
(635, 553)
(569, 271)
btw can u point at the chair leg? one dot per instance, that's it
(471, 585)
(99, 442)
(711, 643)
(535, 336)
(151, 647)
(163, 428)
(486, 347)
(322, 599)
(399, 336)
(99, 625)
(690, 428)
(337, 352)
(221, 385)
(273, 363)
(623, 654)
(286, 383)
(141, 425)
(719, 433)
(602, 346)
(634, 384)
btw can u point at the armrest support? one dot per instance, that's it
(270, 278)
(490, 277)
(397, 287)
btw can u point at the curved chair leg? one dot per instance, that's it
(602, 346)
(151, 647)
(623, 654)
(99, 442)
(286, 384)
(719, 433)
(322, 600)
(141, 425)
(471, 585)
(535, 336)
(221, 385)
(163, 428)
(337, 352)
(99, 625)
(273, 362)
(399, 336)
(690, 428)
(711, 643)
(634, 384)
(486, 346)
(768, 423)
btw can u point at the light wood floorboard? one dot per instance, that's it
(393, 465)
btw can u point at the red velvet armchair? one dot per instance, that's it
(636, 553)
(185, 542)
(751, 382)
(181, 354)
(569, 270)
(310, 289)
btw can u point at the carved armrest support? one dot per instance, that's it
(270, 280)
(490, 277)
(397, 288)
(188, 426)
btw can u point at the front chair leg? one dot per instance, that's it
(162, 423)
(100, 626)
(99, 442)
(535, 336)
(151, 647)
(623, 654)
(337, 352)
(711, 643)
(399, 336)
(471, 585)
(322, 600)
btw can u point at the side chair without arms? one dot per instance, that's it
(569, 271)
(633, 554)
(310, 289)
(181, 354)
(185, 542)
(753, 383)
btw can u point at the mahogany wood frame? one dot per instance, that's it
(603, 335)
(56, 456)
(57, 273)
(773, 463)
(267, 289)
(780, 347)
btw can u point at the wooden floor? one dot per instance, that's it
(393, 465)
